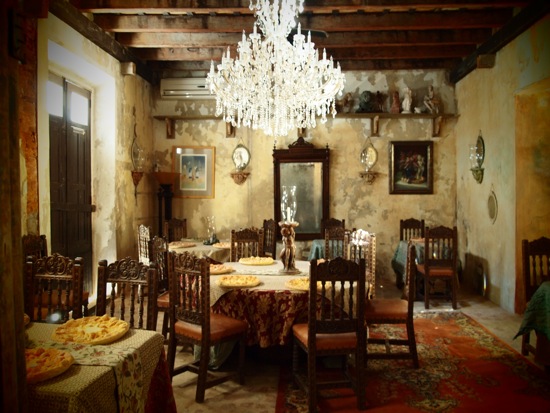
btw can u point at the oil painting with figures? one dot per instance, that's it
(193, 172)
(411, 165)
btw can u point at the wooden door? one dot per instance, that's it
(70, 176)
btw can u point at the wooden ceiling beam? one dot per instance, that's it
(339, 23)
(180, 68)
(350, 53)
(72, 17)
(516, 26)
(312, 6)
(340, 39)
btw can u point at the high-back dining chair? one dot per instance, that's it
(34, 245)
(54, 288)
(247, 242)
(133, 285)
(411, 228)
(144, 238)
(335, 327)
(535, 257)
(192, 322)
(330, 223)
(175, 229)
(440, 263)
(362, 244)
(335, 242)
(270, 237)
(379, 311)
(159, 255)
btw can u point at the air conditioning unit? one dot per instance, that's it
(185, 88)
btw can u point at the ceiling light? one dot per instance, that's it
(275, 85)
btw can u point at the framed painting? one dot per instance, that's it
(195, 165)
(411, 167)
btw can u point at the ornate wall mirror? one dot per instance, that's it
(307, 168)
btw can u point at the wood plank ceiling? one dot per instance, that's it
(172, 38)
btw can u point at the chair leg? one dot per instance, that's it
(171, 358)
(412, 343)
(242, 347)
(525, 344)
(454, 287)
(360, 380)
(203, 374)
(311, 380)
(426, 293)
(165, 320)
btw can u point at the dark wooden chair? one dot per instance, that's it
(535, 257)
(144, 237)
(159, 255)
(192, 322)
(270, 238)
(134, 287)
(411, 228)
(247, 242)
(54, 288)
(34, 245)
(335, 242)
(362, 244)
(330, 223)
(335, 328)
(379, 311)
(440, 264)
(175, 229)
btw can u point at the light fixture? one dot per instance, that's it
(369, 156)
(137, 159)
(275, 85)
(477, 156)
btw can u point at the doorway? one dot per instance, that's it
(70, 172)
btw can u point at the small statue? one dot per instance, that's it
(396, 104)
(345, 104)
(288, 253)
(368, 103)
(407, 101)
(431, 102)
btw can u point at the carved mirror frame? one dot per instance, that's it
(302, 154)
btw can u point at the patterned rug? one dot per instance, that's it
(463, 368)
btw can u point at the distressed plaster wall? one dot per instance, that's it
(370, 207)
(487, 102)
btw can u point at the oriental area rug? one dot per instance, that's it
(463, 368)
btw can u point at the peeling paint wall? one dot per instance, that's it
(365, 206)
(487, 102)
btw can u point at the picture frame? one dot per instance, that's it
(411, 167)
(196, 168)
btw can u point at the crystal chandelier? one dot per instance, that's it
(275, 85)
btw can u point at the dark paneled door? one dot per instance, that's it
(70, 173)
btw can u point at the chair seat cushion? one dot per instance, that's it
(221, 328)
(163, 301)
(386, 309)
(326, 342)
(436, 271)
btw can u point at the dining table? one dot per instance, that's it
(198, 248)
(399, 261)
(537, 318)
(129, 374)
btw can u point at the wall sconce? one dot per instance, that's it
(477, 156)
(369, 156)
(137, 159)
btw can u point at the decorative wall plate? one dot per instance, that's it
(492, 206)
(241, 157)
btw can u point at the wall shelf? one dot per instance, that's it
(437, 120)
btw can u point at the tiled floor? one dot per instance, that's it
(259, 392)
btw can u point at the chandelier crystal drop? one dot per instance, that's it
(275, 85)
